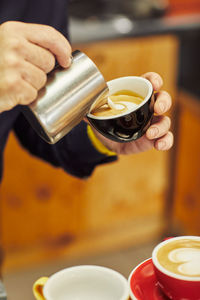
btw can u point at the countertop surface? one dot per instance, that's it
(121, 26)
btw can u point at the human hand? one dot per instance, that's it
(27, 54)
(158, 134)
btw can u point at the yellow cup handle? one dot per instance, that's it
(38, 288)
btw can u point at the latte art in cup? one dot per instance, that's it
(127, 112)
(181, 257)
(124, 101)
(177, 267)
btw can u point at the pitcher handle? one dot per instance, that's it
(38, 288)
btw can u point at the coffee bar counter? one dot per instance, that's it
(120, 26)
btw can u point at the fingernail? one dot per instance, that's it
(153, 132)
(162, 106)
(69, 62)
(161, 145)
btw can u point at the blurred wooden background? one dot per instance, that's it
(186, 195)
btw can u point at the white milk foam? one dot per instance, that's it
(118, 106)
(188, 260)
(129, 105)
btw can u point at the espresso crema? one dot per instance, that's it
(124, 99)
(181, 257)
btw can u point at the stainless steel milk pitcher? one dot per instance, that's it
(66, 98)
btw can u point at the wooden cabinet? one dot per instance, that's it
(135, 57)
(47, 213)
(186, 200)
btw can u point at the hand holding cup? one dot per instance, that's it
(158, 134)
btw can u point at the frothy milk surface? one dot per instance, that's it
(181, 257)
(124, 99)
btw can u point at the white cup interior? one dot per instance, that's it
(139, 85)
(86, 283)
(162, 269)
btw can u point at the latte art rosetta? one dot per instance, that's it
(187, 260)
(181, 257)
(128, 101)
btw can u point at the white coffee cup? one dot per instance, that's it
(83, 282)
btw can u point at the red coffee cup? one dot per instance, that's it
(185, 283)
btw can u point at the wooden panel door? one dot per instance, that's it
(187, 168)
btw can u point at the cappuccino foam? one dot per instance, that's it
(189, 259)
(124, 100)
(181, 257)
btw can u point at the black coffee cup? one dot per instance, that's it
(132, 124)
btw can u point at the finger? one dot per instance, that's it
(25, 93)
(49, 38)
(164, 143)
(86, 120)
(33, 75)
(5, 103)
(155, 80)
(159, 128)
(163, 102)
(14, 90)
(39, 57)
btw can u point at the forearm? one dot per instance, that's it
(75, 153)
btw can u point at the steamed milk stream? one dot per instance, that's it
(127, 100)
(181, 257)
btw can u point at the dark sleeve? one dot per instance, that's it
(74, 153)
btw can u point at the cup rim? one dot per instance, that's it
(148, 96)
(130, 277)
(118, 275)
(162, 269)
